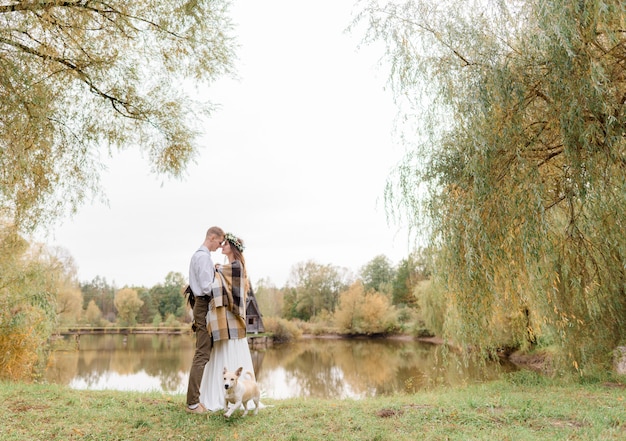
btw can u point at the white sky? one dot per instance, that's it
(294, 161)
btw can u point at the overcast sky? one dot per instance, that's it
(294, 161)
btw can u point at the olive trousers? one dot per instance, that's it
(204, 344)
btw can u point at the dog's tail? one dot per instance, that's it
(251, 374)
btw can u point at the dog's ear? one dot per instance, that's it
(238, 372)
(225, 370)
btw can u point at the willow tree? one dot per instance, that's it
(517, 165)
(82, 78)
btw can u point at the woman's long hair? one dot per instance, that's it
(238, 255)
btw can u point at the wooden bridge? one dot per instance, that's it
(122, 330)
(254, 340)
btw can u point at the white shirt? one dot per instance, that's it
(201, 272)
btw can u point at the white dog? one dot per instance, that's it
(238, 391)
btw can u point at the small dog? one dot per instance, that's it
(238, 391)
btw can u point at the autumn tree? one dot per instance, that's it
(69, 298)
(364, 312)
(93, 315)
(69, 304)
(79, 79)
(347, 316)
(127, 303)
(517, 165)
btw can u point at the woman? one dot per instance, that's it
(226, 321)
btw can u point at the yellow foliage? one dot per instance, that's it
(27, 304)
(520, 187)
(20, 340)
(69, 303)
(93, 313)
(127, 303)
(362, 313)
(346, 315)
(65, 92)
(281, 329)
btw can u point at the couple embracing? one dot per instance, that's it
(218, 297)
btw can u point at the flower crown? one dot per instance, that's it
(234, 241)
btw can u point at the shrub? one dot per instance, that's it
(282, 330)
(22, 338)
(365, 313)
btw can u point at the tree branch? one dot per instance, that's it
(84, 77)
(88, 5)
(434, 33)
(35, 6)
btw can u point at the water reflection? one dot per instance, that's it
(362, 368)
(134, 362)
(308, 368)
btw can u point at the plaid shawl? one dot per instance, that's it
(227, 309)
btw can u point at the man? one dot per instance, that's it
(201, 276)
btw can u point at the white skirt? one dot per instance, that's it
(230, 354)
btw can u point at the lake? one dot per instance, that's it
(311, 367)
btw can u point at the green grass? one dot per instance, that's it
(520, 407)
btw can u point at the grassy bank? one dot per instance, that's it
(524, 406)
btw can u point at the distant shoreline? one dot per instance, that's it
(125, 330)
(402, 337)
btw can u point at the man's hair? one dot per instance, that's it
(217, 231)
